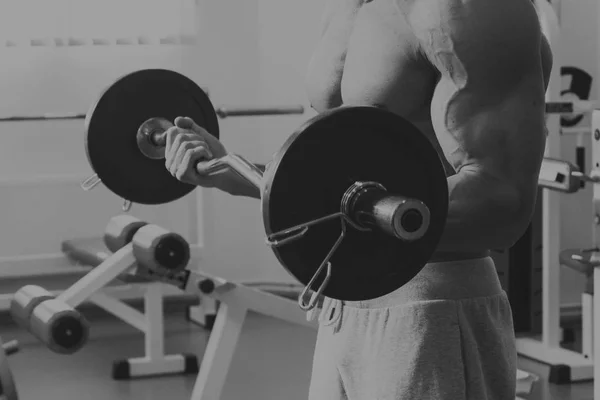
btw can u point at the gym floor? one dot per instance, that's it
(272, 361)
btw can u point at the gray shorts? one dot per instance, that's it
(446, 335)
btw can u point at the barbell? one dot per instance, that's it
(353, 204)
(222, 112)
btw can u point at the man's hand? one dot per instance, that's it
(188, 145)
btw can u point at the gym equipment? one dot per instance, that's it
(525, 384)
(595, 306)
(565, 366)
(162, 250)
(8, 390)
(575, 107)
(235, 301)
(113, 122)
(50, 319)
(562, 176)
(587, 261)
(579, 88)
(222, 112)
(364, 198)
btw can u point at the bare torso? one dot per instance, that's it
(369, 54)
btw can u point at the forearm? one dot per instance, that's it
(483, 214)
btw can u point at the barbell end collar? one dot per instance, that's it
(410, 218)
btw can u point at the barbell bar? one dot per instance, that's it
(222, 112)
(561, 107)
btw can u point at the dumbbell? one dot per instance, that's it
(56, 324)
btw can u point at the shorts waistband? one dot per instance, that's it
(452, 280)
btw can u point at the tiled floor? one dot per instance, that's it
(272, 361)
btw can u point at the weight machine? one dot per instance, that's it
(566, 366)
(564, 177)
(153, 255)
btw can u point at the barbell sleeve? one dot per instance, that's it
(224, 112)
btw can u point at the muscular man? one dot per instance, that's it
(471, 75)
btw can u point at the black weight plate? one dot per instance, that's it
(113, 121)
(309, 175)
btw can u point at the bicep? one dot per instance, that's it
(489, 103)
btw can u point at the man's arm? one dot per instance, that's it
(488, 112)
(238, 186)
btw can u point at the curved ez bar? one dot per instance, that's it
(235, 163)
